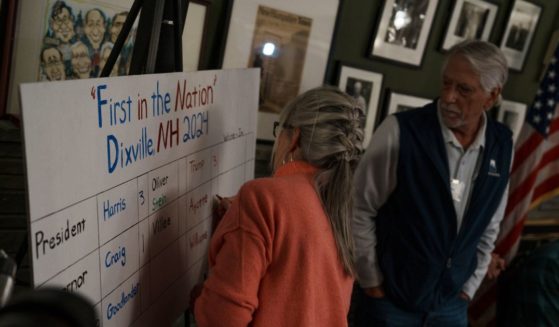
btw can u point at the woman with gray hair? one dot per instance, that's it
(283, 253)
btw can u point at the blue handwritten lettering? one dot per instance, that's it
(120, 155)
(113, 309)
(113, 258)
(110, 210)
(160, 104)
(100, 103)
(196, 125)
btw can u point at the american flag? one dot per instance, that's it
(534, 179)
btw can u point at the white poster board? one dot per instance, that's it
(121, 176)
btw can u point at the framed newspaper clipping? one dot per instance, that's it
(288, 40)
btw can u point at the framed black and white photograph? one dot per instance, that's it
(403, 30)
(365, 87)
(288, 40)
(512, 114)
(519, 32)
(399, 102)
(470, 19)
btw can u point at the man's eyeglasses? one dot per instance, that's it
(276, 125)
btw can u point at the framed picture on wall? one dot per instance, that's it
(403, 30)
(288, 40)
(470, 19)
(365, 87)
(399, 102)
(512, 114)
(519, 32)
(66, 39)
(78, 38)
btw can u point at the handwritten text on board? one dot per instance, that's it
(118, 112)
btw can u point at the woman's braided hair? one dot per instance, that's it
(331, 124)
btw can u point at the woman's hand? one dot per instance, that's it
(194, 294)
(220, 207)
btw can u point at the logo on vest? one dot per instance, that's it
(493, 168)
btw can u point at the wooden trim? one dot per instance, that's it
(540, 237)
(551, 221)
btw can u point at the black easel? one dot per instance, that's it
(158, 43)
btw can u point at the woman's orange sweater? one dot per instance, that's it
(273, 258)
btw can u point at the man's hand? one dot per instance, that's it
(464, 296)
(496, 265)
(376, 292)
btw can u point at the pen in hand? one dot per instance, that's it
(220, 207)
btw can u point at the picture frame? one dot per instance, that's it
(36, 31)
(194, 32)
(470, 19)
(403, 30)
(519, 32)
(289, 40)
(399, 102)
(512, 114)
(369, 86)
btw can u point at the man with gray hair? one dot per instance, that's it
(431, 191)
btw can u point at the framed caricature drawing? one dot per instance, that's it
(67, 39)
